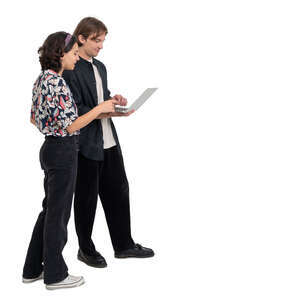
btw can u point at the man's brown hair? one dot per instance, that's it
(89, 26)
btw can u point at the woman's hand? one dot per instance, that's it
(107, 106)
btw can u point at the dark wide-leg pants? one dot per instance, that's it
(58, 158)
(107, 179)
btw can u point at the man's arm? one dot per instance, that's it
(114, 114)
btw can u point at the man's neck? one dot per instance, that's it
(83, 55)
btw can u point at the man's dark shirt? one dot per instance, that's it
(82, 84)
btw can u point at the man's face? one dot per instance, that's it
(93, 44)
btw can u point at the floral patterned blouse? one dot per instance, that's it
(53, 108)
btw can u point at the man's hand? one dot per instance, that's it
(114, 114)
(122, 102)
(121, 99)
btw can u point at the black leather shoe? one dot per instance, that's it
(97, 261)
(137, 251)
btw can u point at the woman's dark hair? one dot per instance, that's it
(54, 47)
(89, 26)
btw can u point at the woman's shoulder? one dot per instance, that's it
(54, 80)
(50, 82)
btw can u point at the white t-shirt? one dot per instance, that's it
(108, 137)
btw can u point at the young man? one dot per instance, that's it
(100, 163)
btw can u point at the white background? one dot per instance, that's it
(212, 158)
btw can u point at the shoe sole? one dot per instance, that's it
(25, 280)
(65, 286)
(91, 265)
(133, 256)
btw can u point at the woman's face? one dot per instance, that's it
(70, 58)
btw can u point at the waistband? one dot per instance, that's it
(64, 139)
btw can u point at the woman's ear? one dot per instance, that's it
(62, 59)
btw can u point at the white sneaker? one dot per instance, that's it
(69, 282)
(29, 280)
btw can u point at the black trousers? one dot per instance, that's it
(58, 158)
(108, 180)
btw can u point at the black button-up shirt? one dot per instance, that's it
(82, 83)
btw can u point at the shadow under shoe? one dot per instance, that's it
(30, 280)
(137, 251)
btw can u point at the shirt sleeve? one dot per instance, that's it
(61, 109)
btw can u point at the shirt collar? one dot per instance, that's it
(51, 72)
(90, 61)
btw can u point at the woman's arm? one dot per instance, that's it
(68, 119)
(104, 107)
(32, 121)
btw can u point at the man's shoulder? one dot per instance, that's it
(99, 63)
(68, 75)
(75, 73)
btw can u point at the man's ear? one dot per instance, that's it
(81, 38)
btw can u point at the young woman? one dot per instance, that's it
(55, 114)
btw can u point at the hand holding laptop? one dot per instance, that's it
(115, 114)
(121, 110)
(123, 102)
(138, 102)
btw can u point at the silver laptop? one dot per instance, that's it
(138, 102)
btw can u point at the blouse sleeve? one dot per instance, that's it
(61, 105)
